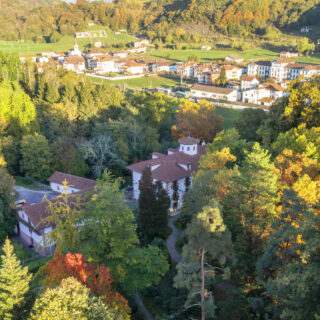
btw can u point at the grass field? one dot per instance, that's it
(230, 116)
(145, 82)
(65, 43)
(207, 56)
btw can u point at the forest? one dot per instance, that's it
(249, 224)
(161, 20)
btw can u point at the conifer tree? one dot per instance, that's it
(161, 211)
(147, 201)
(207, 255)
(14, 282)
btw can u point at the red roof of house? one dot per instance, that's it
(74, 60)
(80, 183)
(38, 213)
(170, 168)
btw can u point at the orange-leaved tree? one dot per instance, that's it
(96, 277)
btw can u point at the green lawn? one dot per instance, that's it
(207, 56)
(230, 116)
(183, 55)
(67, 42)
(145, 82)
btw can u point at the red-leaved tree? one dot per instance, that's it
(96, 277)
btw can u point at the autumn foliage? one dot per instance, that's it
(95, 277)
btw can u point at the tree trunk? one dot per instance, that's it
(203, 315)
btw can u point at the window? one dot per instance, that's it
(188, 148)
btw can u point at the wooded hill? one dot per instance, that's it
(166, 20)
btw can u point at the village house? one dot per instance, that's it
(207, 73)
(265, 94)
(33, 226)
(103, 64)
(174, 170)
(233, 72)
(260, 69)
(162, 67)
(216, 93)
(282, 69)
(95, 52)
(187, 70)
(249, 82)
(134, 67)
(74, 63)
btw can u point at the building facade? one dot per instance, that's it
(33, 226)
(174, 170)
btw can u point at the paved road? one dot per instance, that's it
(172, 239)
(33, 196)
(141, 307)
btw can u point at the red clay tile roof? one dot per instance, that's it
(248, 78)
(273, 86)
(169, 168)
(74, 60)
(82, 184)
(38, 213)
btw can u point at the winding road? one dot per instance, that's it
(172, 239)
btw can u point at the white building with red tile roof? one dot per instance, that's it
(173, 169)
(199, 91)
(33, 226)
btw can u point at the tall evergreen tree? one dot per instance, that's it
(147, 201)
(206, 257)
(161, 211)
(14, 282)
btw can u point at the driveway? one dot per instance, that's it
(33, 196)
(172, 239)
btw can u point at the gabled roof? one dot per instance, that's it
(170, 167)
(212, 89)
(38, 213)
(80, 183)
(74, 60)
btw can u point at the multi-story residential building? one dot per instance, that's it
(282, 70)
(174, 169)
(260, 69)
(233, 72)
(249, 82)
(264, 94)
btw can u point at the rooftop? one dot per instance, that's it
(213, 89)
(80, 183)
(171, 167)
